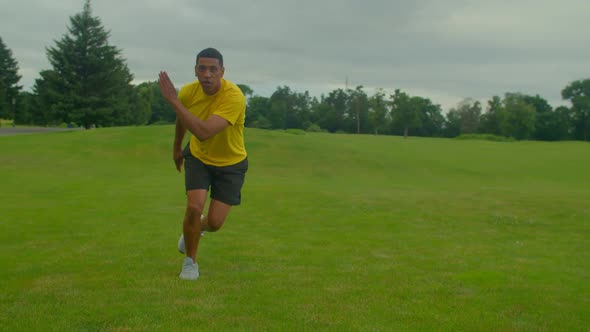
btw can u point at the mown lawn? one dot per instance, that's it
(336, 232)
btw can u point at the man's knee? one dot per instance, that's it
(214, 223)
(194, 211)
(195, 204)
(218, 211)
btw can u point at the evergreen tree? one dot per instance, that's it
(90, 81)
(9, 88)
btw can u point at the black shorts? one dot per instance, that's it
(225, 181)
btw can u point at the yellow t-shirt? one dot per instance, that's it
(226, 147)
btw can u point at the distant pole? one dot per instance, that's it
(346, 83)
(13, 112)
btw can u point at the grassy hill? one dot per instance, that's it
(336, 232)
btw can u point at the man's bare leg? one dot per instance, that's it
(215, 217)
(192, 232)
(191, 226)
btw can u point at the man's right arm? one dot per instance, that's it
(177, 146)
(179, 134)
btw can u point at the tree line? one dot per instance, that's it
(514, 115)
(89, 84)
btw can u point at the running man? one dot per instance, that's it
(212, 109)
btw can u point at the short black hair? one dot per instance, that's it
(210, 53)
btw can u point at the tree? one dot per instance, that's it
(246, 90)
(330, 111)
(379, 113)
(560, 125)
(140, 106)
(46, 110)
(430, 118)
(289, 109)
(490, 122)
(257, 112)
(404, 112)
(578, 93)
(9, 78)
(90, 81)
(452, 126)
(26, 108)
(158, 109)
(280, 103)
(469, 114)
(548, 125)
(358, 110)
(517, 117)
(300, 115)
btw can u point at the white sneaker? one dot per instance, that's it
(190, 270)
(182, 246)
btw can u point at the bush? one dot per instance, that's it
(160, 123)
(295, 131)
(314, 128)
(486, 137)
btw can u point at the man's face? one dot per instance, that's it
(209, 73)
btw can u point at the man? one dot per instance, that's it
(213, 110)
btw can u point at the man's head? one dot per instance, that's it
(209, 70)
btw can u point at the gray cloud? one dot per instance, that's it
(443, 50)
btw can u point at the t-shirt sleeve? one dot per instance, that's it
(231, 107)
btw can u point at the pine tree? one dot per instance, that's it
(90, 81)
(9, 79)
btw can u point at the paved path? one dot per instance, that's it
(6, 131)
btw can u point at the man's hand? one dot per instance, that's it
(202, 130)
(166, 87)
(178, 158)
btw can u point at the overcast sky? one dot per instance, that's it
(443, 50)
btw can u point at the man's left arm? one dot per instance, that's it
(202, 130)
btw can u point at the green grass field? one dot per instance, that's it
(336, 232)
